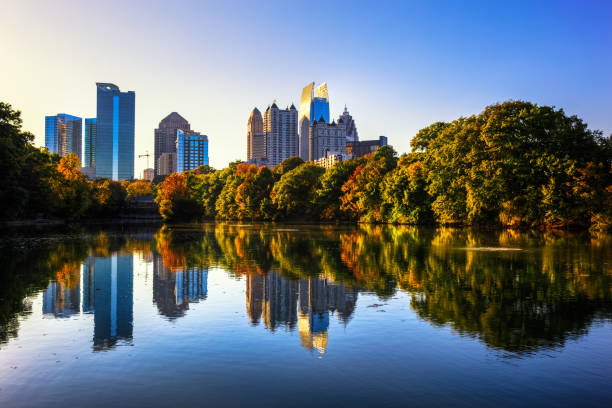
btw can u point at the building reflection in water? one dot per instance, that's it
(60, 300)
(174, 290)
(307, 302)
(108, 293)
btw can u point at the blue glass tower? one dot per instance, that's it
(91, 131)
(191, 150)
(319, 108)
(115, 132)
(63, 134)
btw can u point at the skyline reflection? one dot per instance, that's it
(551, 288)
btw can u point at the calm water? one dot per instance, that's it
(264, 315)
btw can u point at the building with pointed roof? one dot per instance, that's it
(313, 105)
(280, 127)
(256, 141)
(351, 128)
(325, 139)
(165, 140)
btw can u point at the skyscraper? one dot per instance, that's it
(314, 105)
(91, 131)
(281, 132)
(191, 150)
(63, 134)
(115, 132)
(256, 140)
(165, 139)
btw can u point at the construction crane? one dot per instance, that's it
(147, 156)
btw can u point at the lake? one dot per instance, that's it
(296, 315)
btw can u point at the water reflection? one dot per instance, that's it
(549, 290)
(174, 289)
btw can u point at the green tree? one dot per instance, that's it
(361, 194)
(294, 194)
(404, 194)
(14, 147)
(327, 198)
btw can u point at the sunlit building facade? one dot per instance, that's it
(256, 140)
(281, 132)
(165, 140)
(314, 105)
(191, 150)
(63, 134)
(115, 132)
(326, 139)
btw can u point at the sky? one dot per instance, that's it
(397, 66)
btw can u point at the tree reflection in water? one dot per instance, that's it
(516, 291)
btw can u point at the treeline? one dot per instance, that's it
(38, 184)
(515, 164)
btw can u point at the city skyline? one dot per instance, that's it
(407, 66)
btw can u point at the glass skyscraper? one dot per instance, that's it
(114, 150)
(314, 105)
(91, 131)
(191, 150)
(63, 134)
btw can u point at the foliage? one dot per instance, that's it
(174, 200)
(140, 188)
(362, 192)
(294, 194)
(514, 164)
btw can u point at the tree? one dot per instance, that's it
(361, 194)
(174, 200)
(287, 165)
(71, 188)
(404, 194)
(294, 194)
(327, 198)
(108, 198)
(509, 164)
(255, 188)
(14, 147)
(140, 188)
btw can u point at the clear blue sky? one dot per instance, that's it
(398, 66)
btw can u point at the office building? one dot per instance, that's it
(256, 140)
(166, 164)
(148, 174)
(326, 139)
(191, 150)
(115, 132)
(349, 123)
(63, 134)
(281, 133)
(89, 154)
(361, 148)
(165, 140)
(314, 105)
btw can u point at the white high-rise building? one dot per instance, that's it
(280, 127)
